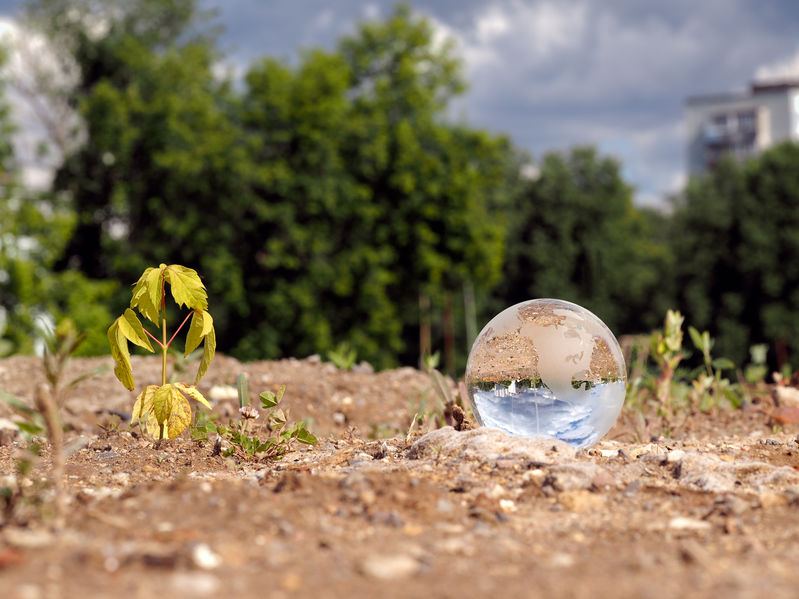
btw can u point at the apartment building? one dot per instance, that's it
(742, 124)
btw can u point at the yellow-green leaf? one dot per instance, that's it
(147, 293)
(209, 349)
(192, 392)
(133, 330)
(144, 403)
(162, 403)
(121, 355)
(201, 325)
(179, 417)
(187, 288)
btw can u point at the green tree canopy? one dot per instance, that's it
(576, 235)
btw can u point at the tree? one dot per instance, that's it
(575, 235)
(33, 231)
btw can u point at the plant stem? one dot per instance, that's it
(163, 351)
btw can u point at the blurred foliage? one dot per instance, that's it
(331, 199)
(735, 235)
(34, 228)
(574, 234)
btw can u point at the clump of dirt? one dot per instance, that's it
(372, 511)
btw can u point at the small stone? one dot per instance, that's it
(609, 453)
(204, 557)
(676, 455)
(390, 567)
(507, 505)
(786, 396)
(561, 560)
(684, 523)
(363, 368)
(580, 500)
(769, 499)
(26, 538)
(339, 418)
(291, 582)
(194, 584)
(223, 392)
(107, 455)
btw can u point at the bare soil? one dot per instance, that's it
(374, 512)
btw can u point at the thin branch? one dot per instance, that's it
(175, 334)
(151, 336)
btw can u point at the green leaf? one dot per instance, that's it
(723, 364)
(244, 390)
(209, 349)
(201, 325)
(277, 419)
(30, 428)
(303, 435)
(268, 399)
(133, 330)
(280, 393)
(696, 337)
(192, 392)
(17, 405)
(187, 288)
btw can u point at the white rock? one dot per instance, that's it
(488, 444)
(675, 456)
(390, 567)
(190, 584)
(786, 396)
(223, 392)
(683, 523)
(204, 557)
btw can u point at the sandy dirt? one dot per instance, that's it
(374, 512)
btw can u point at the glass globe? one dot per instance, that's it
(548, 368)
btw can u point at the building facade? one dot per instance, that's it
(741, 124)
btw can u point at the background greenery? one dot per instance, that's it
(330, 200)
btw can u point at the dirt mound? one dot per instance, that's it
(370, 512)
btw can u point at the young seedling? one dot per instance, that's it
(667, 351)
(165, 409)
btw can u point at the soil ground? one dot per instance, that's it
(374, 512)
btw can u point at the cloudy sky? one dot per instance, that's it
(556, 73)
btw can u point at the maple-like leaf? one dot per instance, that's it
(201, 325)
(121, 355)
(126, 328)
(147, 293)
(192, 392)
(209, 349)
(187, 288)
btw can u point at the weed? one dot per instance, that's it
(666, 348)
(343, 356)
(709, 387)
(244, 438)
(164, 409)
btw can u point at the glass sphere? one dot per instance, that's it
(548, 368)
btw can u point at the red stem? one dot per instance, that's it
(180, 327)
(150, 335)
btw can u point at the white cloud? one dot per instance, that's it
(786, 68)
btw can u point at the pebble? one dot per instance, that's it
(580, 500)
(390, 567)
(204, 557)
(675, 456)
(684, 523)
(223, 392)
(339, 418)
(195, 583)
